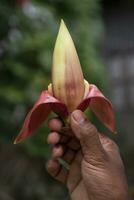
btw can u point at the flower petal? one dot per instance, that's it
(101, 107)
(39, 113)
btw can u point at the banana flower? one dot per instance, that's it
(68, 90)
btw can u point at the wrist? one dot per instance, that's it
(75, 196)
(123, 196)
(79, 194)
(124, 191)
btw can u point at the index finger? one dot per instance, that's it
(55, 124)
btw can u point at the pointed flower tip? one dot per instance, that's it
(63, 33)
(67, 77)
(63, 27)
(62, 22)
(15, 142)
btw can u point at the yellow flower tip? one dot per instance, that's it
(62, 23)
(87, 86)
(14, 142)
(67, 77)
(50, 90)
(63, 38)
(63, 30)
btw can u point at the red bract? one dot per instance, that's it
(46, 103)
(68, 90)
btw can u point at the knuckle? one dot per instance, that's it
(110, 144)
(113, 145)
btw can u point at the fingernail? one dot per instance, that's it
(78, 116)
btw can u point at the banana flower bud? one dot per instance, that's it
(68, 90)
(67, 77)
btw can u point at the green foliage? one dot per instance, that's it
(27, 37)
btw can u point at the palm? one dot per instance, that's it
(74, 180)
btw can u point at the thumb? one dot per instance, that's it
(88, 136)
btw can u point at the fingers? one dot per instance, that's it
(69, 156)
(55, 124)
(54, 168)
(55, 138)
(57, 171)
(58, 151)
(88, 136)
(64, 153)
(63, 146)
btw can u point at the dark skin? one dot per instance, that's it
(96, 170)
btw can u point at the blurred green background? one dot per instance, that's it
(28, 31)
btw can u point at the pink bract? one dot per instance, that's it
(46, 103)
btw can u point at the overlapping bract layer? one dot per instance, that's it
(68, 91)
(46, 103)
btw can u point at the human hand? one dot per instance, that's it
(96, 170)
